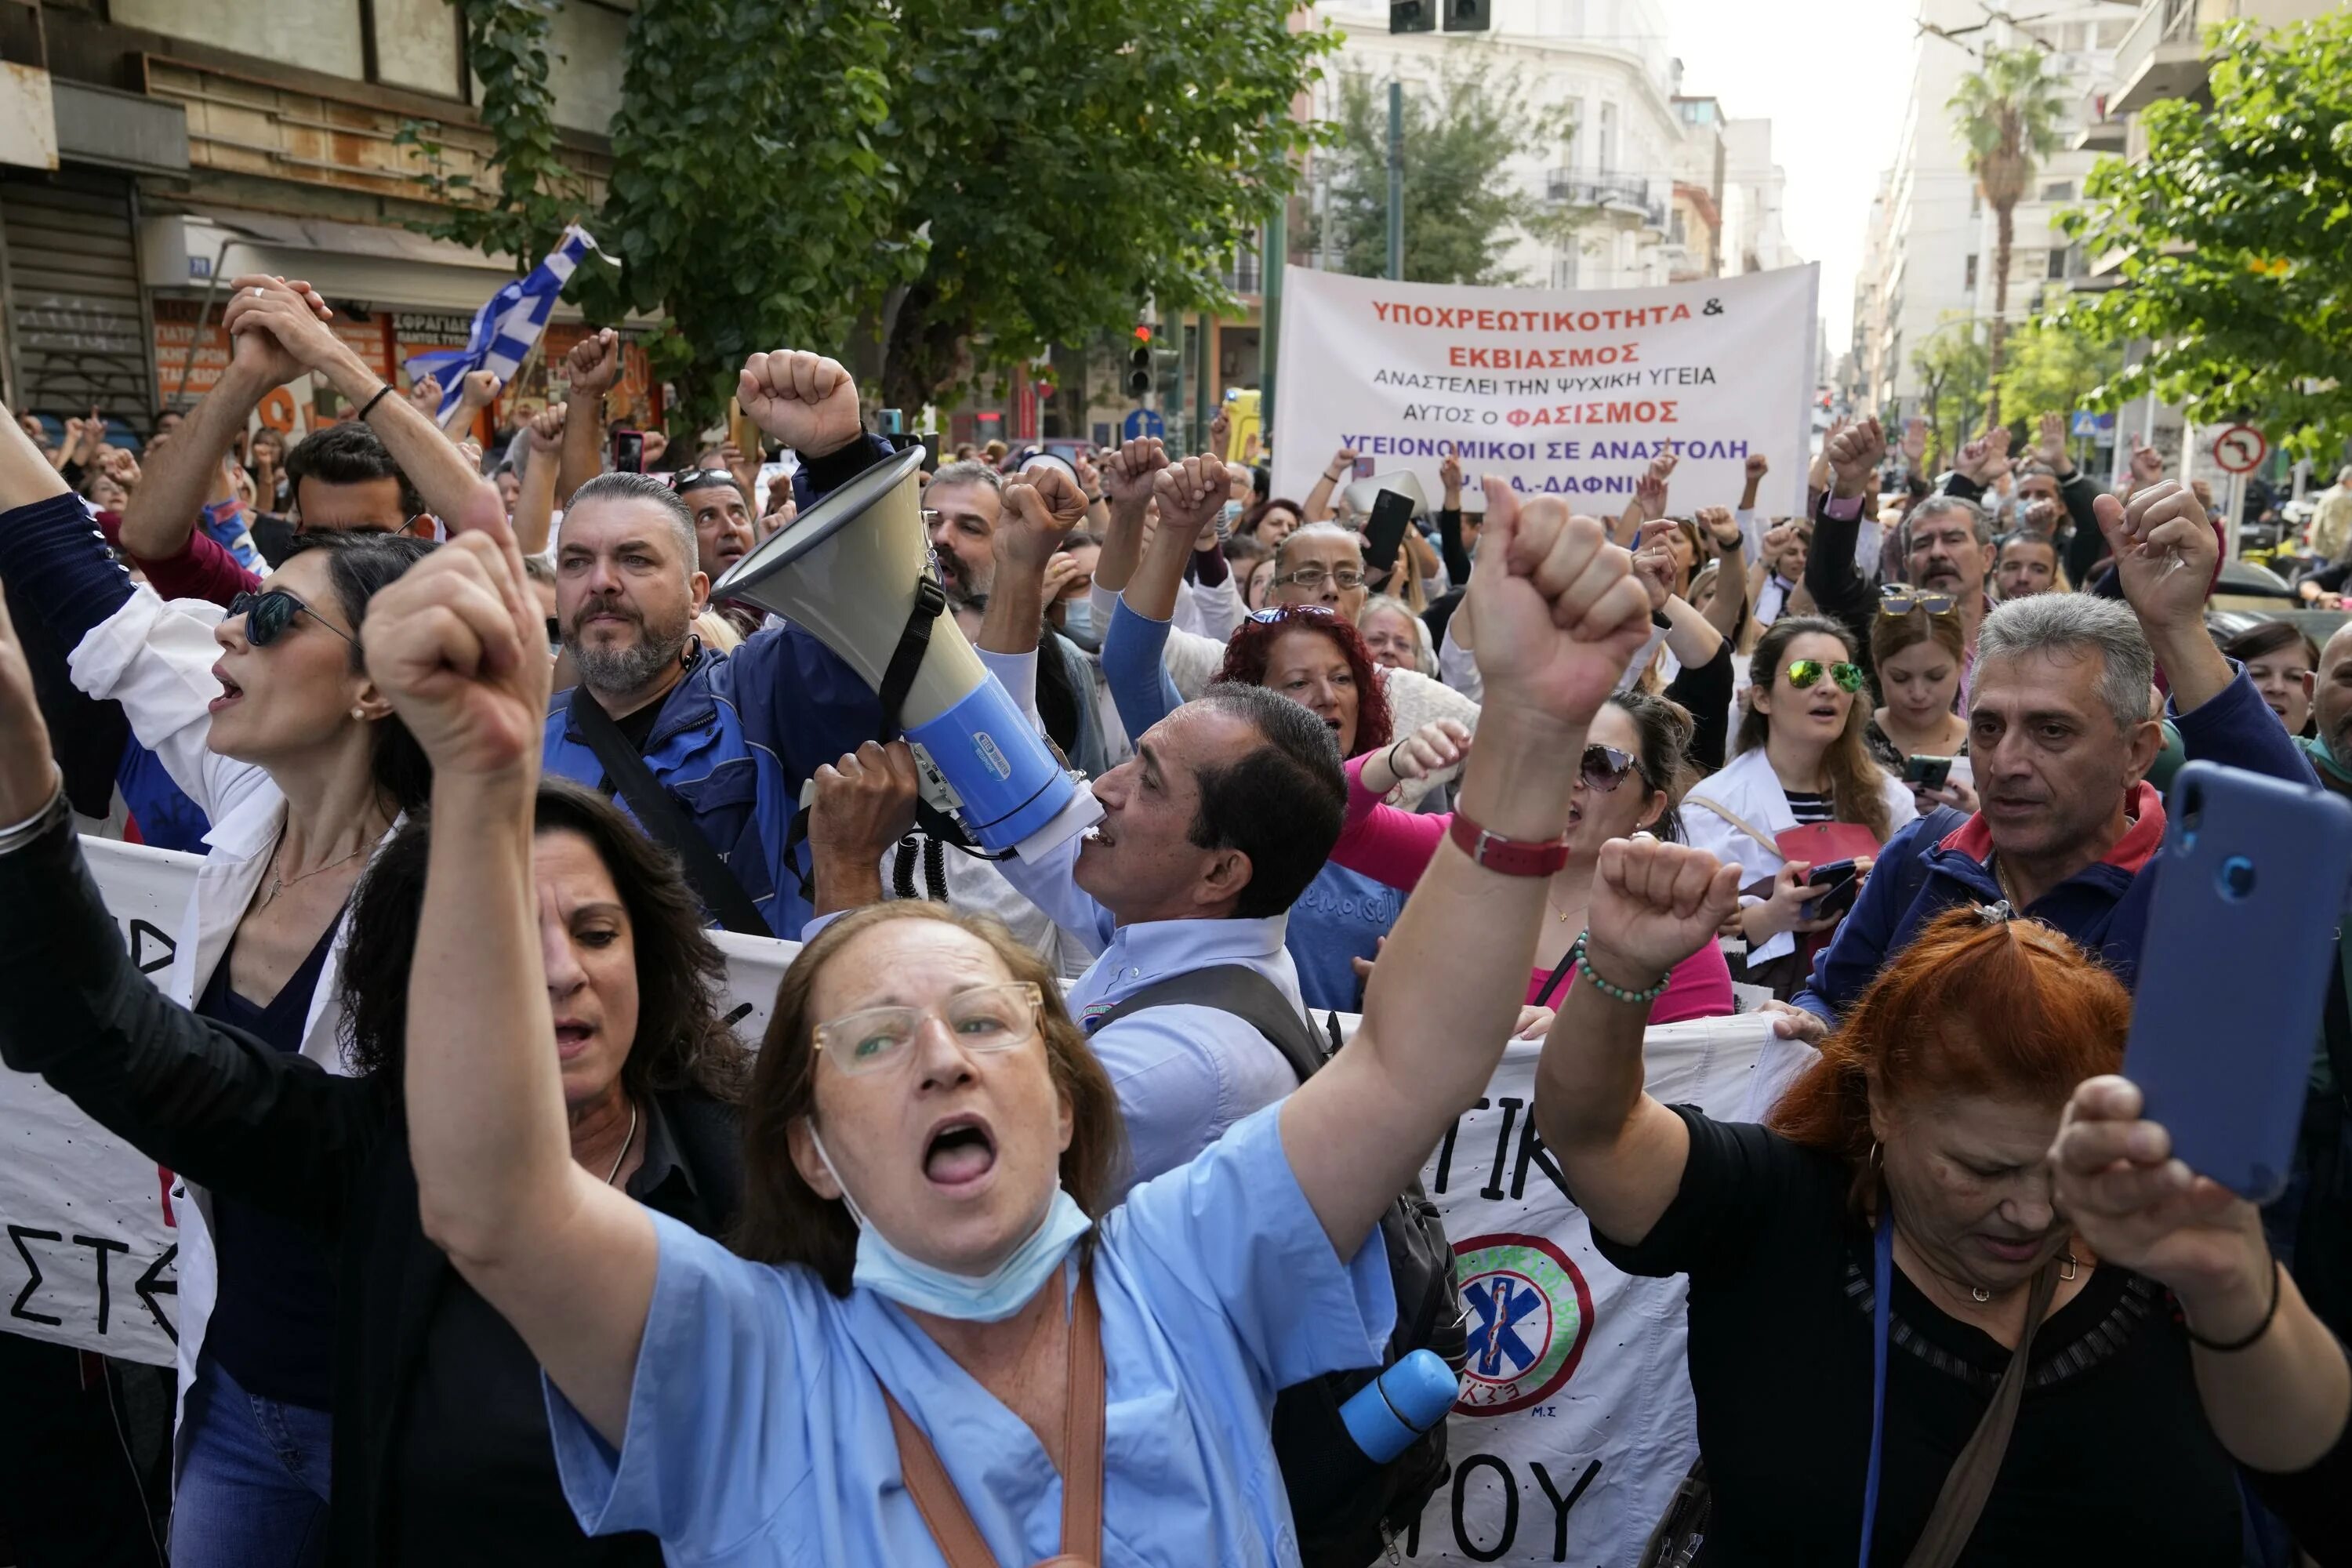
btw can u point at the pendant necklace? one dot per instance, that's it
(278, 880)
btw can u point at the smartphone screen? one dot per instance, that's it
(629, 451)
(1928, 773)
(1392, 515)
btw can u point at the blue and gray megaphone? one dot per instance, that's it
(855, 572)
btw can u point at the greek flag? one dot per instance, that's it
(505, 328)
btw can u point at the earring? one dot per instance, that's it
(360, 713)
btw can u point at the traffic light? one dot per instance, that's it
(1139, 370)
(1412, 16)
(1467, 16)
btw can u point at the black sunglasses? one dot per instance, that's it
(268, 613)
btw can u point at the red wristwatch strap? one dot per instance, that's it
(1511, 856)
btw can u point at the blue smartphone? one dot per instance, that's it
(2233, 969)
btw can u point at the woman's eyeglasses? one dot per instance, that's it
(1273, 615)
(1605, 767)
(268, 613)
(985, 1018)
(1313, 577)
(1897, 599)
(1803, 672)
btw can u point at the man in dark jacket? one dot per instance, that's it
(2061, 737)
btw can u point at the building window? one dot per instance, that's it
(2058, 190)
(1573, 111)
(1976, 204)
(2058, 254)
(1675, 231)
(1969, 272)
(1563, 269)
(1608, 138)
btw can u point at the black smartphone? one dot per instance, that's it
(1840, 884)
(1928, 773)
(1392, 515)
(629, 451)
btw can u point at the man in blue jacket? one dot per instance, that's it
(730, 737)
(2061, 736)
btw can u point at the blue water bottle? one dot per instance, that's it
(1387, 1414)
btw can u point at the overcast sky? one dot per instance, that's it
(1833, 78)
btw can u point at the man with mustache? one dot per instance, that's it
(2062, 735)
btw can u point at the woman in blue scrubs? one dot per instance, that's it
(927, 1107)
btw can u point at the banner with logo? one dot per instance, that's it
(1568, 394)
(1576, 1421)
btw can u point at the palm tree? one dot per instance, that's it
(2008, 115)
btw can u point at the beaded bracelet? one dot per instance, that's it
(1617, 993)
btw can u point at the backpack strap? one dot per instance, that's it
(1243, 993)
(657, 813)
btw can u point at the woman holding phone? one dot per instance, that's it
(1917, 649)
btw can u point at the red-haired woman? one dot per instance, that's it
(1319, 662)
(1894, 1335)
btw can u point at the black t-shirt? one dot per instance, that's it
(638, 727)
(2111, 1460)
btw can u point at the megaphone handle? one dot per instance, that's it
(906, 658)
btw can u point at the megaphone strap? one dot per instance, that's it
(906, 658)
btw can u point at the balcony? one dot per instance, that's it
(2163, 55)
(1631, 201)
(2104, 129)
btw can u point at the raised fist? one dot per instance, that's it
(593, 364)
(805, 401)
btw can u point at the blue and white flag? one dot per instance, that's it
(505, 328)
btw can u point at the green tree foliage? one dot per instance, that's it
(949, 186)
(2050, 368)
(1461, 211)
(1952, 366)
(1071, 161)
(2236, 236)
(2007, 115)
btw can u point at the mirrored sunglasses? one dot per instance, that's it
(1803, 672)
(1605, 767)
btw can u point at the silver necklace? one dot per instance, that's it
(623, 1154)
(278, 879)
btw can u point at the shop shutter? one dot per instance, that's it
(76, 334)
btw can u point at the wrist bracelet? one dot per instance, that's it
(2222, 1347)
(1388, 757)
(380, 394)
(1634, 998)
(1510, 857)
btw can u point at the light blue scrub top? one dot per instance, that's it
(757, 1432)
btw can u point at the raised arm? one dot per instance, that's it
(1831, 575)
(2279, 1395)
(1318, 500)
(1127, 483)
(1559, 616)
(592, 366)
(1691, 637)
(1724, 611)
(534, 514)
(1190, 494)
(179, 479)
(452, 488)
(2164, 554)
(1622, 1152)
(477, 392)
(1041, 508)
(458, 647)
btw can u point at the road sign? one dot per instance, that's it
(2239, 449)
(1144, 422)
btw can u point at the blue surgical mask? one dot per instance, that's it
(1230, 515)
(987, 1297)
(1079, 624)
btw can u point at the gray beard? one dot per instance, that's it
(621, 670)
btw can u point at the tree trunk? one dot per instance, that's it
(2004, 216)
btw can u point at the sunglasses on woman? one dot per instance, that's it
(1803, 672)
(1897, 599)
(1605, 767)
(268, 613)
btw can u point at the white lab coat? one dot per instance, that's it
(1748, 789)
(156, 659)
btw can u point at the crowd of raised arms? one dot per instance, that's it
(1048, 1213)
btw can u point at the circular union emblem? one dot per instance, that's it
(1529, 1313)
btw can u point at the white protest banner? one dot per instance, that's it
(1567, 393)
(1576, 1421)
(90, 1221)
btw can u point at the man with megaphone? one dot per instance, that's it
(708, 749)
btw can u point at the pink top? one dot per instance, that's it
(1395, 847)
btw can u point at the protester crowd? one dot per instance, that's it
(499, 1243)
